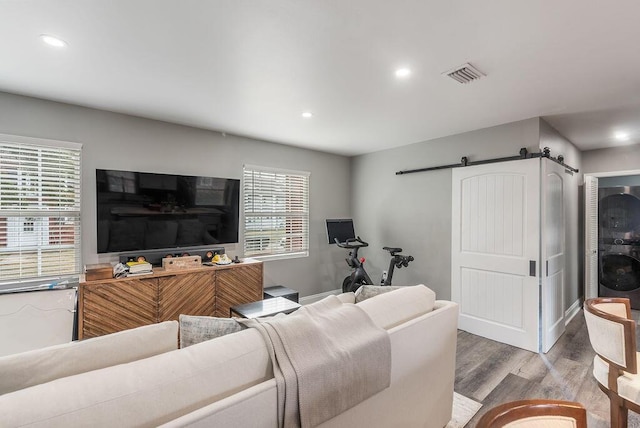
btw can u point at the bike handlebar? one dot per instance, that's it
(350, 243)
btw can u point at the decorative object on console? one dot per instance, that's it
(98, 271)
(155, 257)
(139, 267)
(185, 262)
(210, 254)
(221, 259)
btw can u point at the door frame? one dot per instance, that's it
(586, 259)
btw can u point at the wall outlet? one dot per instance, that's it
(384, 277)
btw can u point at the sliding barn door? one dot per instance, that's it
(495, 249)
(552, 253)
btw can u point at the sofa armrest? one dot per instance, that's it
(422, 376)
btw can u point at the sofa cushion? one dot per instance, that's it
(196, 329)
(22, 370)
(146, 392)
(390, 309)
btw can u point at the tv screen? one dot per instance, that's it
(144, 211)
(341, 228)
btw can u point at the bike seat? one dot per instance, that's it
(392, 249)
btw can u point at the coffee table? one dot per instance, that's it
(264, 308)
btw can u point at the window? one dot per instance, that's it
(39, 209)
(276, 212)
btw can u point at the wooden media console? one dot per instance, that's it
(111, 305)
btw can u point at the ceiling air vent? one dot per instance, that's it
(464, 74)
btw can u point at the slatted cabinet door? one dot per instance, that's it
(117, 305)
(192, 294)
(237, 286)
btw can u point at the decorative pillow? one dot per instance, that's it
(196, 329)
(367, 291)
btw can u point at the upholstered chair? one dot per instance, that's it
(612, 333)
(535, 414)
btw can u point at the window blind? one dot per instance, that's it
(276, 211)
(39, 209)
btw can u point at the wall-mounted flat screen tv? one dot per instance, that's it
(145, 211)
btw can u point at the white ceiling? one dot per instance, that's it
(251, 67)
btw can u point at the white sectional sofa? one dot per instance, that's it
(139, 377)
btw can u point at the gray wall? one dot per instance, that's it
(413, 211)
(624, 158)
(116, 141)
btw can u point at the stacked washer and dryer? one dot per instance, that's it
(619, 243)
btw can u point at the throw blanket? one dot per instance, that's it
(327, 357)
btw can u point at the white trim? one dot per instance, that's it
(284, 256)
(614, 173)
(276, 170)
(316, 297)
(573, 310)
(40, 141)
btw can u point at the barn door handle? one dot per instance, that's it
(532, 268)
(547, 267)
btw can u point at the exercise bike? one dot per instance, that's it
(359, 275)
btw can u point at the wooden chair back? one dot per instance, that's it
(612, 331)
(536, 414)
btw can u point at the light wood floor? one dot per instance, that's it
(493, 373)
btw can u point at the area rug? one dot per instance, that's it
(463, 410)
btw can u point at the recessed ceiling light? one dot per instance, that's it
(403, 73)
(307, 114)
(53, 41)
(621, 136)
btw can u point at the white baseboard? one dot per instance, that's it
(570, 313)
(315, 297)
